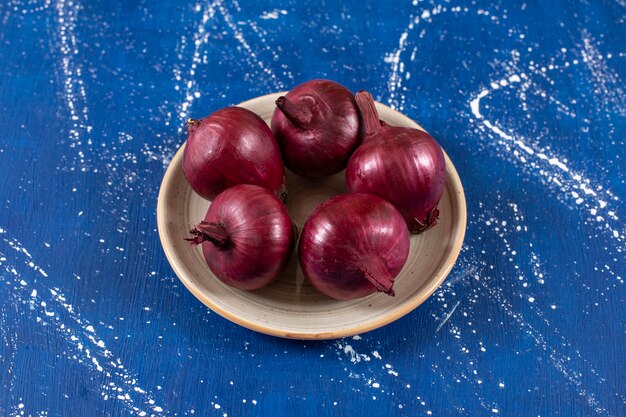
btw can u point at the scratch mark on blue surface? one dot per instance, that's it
(447, 317)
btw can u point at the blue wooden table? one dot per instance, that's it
(528, 99)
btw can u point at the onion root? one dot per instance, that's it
(378, 274)
(211, 232)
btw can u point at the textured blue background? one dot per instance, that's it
(528, 100)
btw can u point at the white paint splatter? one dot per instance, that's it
(349, 351)
(568, 180)
(80, 335)
(75, 93)
(607, 83)
(274, 14)
(394, 84)
(251, 54)
(200, 39)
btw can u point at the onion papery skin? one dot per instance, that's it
(404, 166)
(247, 236)
(229, 147)
(317, 126)
(353, 245)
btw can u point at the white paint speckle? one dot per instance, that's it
(274, 14)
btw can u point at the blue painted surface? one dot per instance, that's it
(527, 99)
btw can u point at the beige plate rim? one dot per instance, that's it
(453, 181)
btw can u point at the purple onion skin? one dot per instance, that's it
(402, 165)
(353, 245)
(229, 147)
(247, 236)
(317, 126)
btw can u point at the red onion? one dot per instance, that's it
(317, 126)
(246, 236)
(402, 165)
(353, 245)
(229, 147)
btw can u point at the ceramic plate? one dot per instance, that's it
(291, 307)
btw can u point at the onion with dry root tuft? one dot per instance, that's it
(353, 245)
(247, 236)
(402, 165)
(229, 147)
(317, 126)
